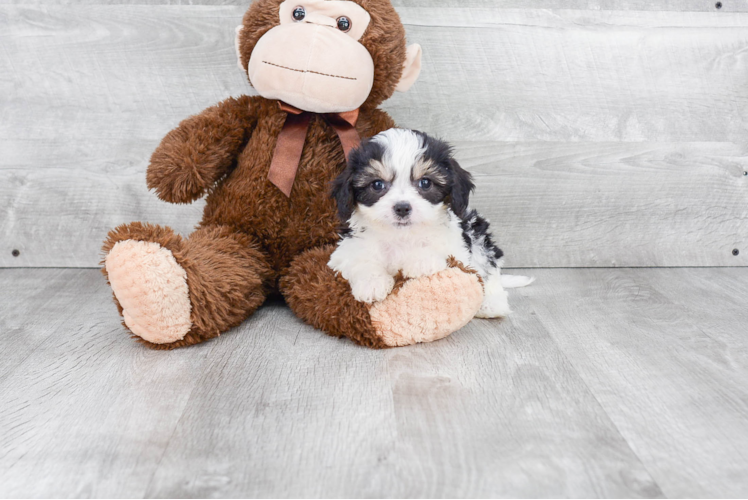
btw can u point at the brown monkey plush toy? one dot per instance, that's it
(321, 68)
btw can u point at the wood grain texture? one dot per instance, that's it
(522, 75)
(57, 292)
(494, 411)
(664, 352)
(642, 5)
(613, 204)
(551, 204)
(58, 204)
(527, 75)
(594, 5)
(84, 411)
(602, 383)
(87, 91)
(276, 408)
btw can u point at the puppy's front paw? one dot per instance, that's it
(425, 266)
(373, 289)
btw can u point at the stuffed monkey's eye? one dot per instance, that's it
(344, 24)
(299, 13)
(424, 184)
(377, 185)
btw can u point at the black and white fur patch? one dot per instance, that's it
(403, 202)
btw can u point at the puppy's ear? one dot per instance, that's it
(342, 192)
(462, 186)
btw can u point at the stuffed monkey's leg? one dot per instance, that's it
(173, 291)
(419, 310)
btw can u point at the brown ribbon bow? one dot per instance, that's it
(290, 143)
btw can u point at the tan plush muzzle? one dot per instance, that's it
(314, 67)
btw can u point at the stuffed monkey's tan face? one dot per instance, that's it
(310, 62)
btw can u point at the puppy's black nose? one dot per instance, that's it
(402, 209)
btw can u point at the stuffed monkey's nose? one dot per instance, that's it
(402, 209)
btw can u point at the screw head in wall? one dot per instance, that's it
(735, 252)
(15, 253)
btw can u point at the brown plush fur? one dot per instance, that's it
(285, 227)
(195, 155)
(228, 275)
(452, 262)
(323, 298)
(251, 234)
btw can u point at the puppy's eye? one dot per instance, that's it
(377, 185)
(299, 13)
(344, 24)
(424, 184)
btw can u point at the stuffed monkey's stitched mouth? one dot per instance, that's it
(308, 71)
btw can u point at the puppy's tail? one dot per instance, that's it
(513, 281)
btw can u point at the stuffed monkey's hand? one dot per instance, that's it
(201, 150)
(428, 308)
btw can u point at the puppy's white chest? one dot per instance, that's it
(399, 255)
(416, 253)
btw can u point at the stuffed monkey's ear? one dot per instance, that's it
(411, 68)
(238, 31)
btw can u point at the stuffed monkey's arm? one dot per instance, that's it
(201, 150)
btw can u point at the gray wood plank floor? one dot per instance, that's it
(603, 382)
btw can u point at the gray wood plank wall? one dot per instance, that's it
(601, 133)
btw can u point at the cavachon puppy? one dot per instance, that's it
(404, 202)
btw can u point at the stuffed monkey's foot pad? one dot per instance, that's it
(428, 308)
(152, 289)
